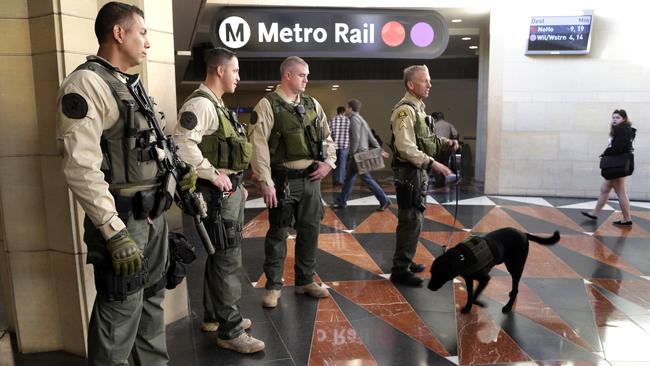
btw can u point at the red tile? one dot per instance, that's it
(378, 222)
(607, 228)
(258, 226)
(636, 291)
(439, 214)
(542, 262)
(383, 300)
(594, 248)
(330, 219)
(480, 340)
(445, 237)
(496, 219)
(346, 247)
(335, 341)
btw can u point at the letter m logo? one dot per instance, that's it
(234, 32)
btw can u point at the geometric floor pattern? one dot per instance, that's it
(584, 301)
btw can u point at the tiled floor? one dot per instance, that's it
(584, 301)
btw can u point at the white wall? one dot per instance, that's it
(548, 116)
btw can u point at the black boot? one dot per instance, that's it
(407, 278)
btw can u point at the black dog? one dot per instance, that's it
(474, 257)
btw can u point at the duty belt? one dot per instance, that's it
(403, 164)
(294, 173)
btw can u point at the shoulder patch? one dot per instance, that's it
(188, 120)
(402, 114)
(74, 106)
(253, 118)
(402, 125)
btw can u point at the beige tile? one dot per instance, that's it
(88, 286)
(71, 61)
(78, 35)
(18, 127)
(46, 85)
(175, 303)
(39, 8)
(69, 292)
(81, 8)
(37, 313)
(162, 47)
(44, 33)
(15, 34)
(159, 15)
(7, 292)
(22, 195)
(60, 234)
(14, 9)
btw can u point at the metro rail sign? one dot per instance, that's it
(324, 32)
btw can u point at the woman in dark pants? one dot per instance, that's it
(621, 136)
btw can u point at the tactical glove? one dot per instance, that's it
(188, 180)
(125, 254)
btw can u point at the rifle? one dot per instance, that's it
(192, 204)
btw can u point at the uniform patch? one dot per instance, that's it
(253, 117)
(189, 120)
(402, 115)
(402, 125)
(74, 106)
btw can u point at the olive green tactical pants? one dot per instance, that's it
(303, 203)
(409, 220)
(222, 286)
(135, 326)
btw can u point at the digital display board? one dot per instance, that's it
(330, 32)
(556, 35)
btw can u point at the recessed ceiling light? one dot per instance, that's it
(466, 38)
(473, 47)
(456, 20)
(183, 53)
(335, 86)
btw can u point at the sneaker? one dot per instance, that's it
(270, 298)
(416, 267)
(587, 214)
(214, 326)
(407, 278)
(384, 206)
(242, 344)
(623, 223)
(312, 290)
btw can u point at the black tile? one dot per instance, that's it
(535, 340)
(388, 345)
(252, 253)
(430, 225)
(635, 251)
(506, 202)
(588, 267)
(628, 307)
(324, 229)
(333, 268)
(294, 319)
(380, 247)
(469, 215)
(353, 216)
(535, 225)
(251, 213)
(641, 222)
(437, 310)
(565, 201)
(568, 298)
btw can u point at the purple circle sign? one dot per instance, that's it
(422, 34)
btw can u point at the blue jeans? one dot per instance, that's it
(341, 159)
(367, 179)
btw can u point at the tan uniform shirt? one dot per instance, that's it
(78, 140)
(261, 130)
(188, 139)
(402, 121)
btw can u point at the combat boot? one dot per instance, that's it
(312, 290)
(214, 326)
(242, 344)
(270, 298)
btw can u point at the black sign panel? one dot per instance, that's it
(559, 35)
(318, 32)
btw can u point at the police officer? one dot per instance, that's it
(415, 150)
(292, 152)
(210, 138)
(112, 145)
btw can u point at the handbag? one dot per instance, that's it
(369, 160)
(617, 166)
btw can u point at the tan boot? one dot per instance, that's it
(242, 344)
(270, 298)
(313, 290)
(214, 326)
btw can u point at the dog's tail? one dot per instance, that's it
(545, 241)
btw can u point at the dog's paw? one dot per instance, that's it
(479, 303)
(465, 309)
